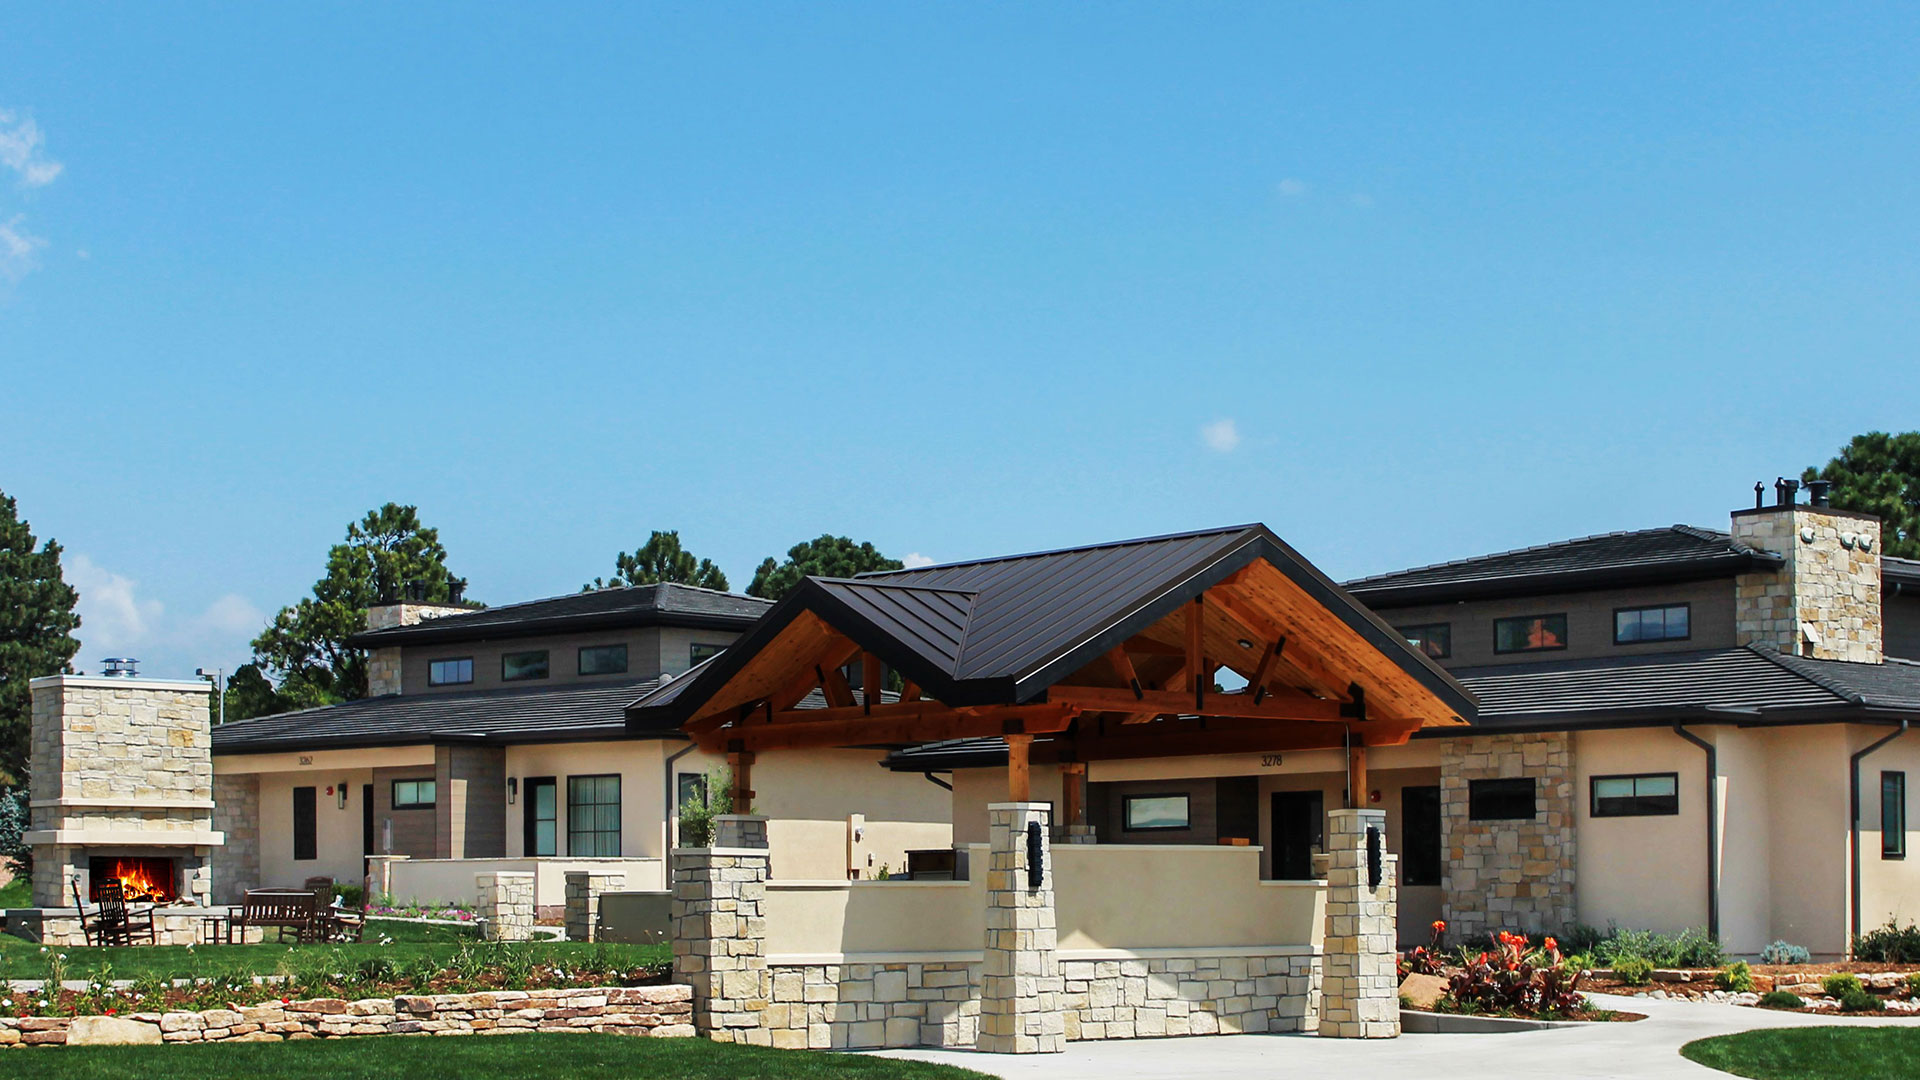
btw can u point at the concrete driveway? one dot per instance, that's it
(1648, 1048)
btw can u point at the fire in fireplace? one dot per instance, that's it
(141, 877)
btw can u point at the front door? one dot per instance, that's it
(541, 817)
(1299, 830)
(366, 824)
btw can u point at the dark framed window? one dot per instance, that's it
(691, 790)
(1642, 795)
(603, 660)
(518, 666)
(450, 672)
(699, 651)
(543, 815)
(1434, 639)
(1501, 800)
(1420, 856)
(593, 816)
(1530, 633)
(1150, 813)
(1893, 815)
(414, 794)
(1671, 622)
(306, 839)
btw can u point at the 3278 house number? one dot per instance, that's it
(1268, 761)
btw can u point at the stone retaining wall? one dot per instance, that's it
(61, 926)
(657, 1011)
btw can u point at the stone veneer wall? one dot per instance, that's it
(861, 1006)
(383, 665)
(657, 1011)
(504, 899)
(1827, 583)
(60, 927)
(236, 812)
(1508, 875)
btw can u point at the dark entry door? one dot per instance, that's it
(1299, 828)
(540, 817)
(366, 820)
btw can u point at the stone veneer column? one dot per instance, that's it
(236, 815)
(505, 902)
(1512, 874)
(1021, 986)
(583, 901)
(720, 930)
(1828, 583)
(1359, 988)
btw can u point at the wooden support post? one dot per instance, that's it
(1357, 777)
(870, 677)
(1196, 665)
(1073, 793)
(741, 762)
(1019, 778)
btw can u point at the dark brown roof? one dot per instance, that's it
(1002, 630)
(600, 609)
(1611, 560)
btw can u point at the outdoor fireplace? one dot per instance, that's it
(142, 878)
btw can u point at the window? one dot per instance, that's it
(1670, 623)
(692, 791)
(1893, 815)
(542, 813)
(1530, 633)
(1636, 796)
(1500, 800)
(593, 816)
(1420, 856)
(413, 794)
(698, 652)
(515, 666)
(1434, 639)
(1144, 813)
(306, 843)
(450, 672)
(603, 660)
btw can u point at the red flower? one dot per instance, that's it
(1439, 926)
(1552, 945)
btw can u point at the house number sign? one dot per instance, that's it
(1268, 761)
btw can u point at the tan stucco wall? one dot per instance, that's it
(828, 919)
(1155, 897)
(1646, 873)
(337, 831)
(638, 763)
(809, 796)
(452, 880)
(1889, 888)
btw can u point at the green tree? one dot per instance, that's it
(660, 559)
(37, 622)
(827, 556)
(388, 555)
(250, 693)
(1878, 473)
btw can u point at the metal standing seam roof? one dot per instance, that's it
(637, 605)
(1675, 553)
(1001, 630)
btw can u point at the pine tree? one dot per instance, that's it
(37, 622)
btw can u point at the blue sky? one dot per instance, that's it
(1407, 283)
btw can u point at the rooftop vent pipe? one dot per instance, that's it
(1785, 491)
(1817, 491)
(121, 667)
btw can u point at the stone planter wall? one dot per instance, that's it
(61, 926)
(657, 1011)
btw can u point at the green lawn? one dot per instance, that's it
(20, 959)
(1822, 1053)
(16, 893)
(504, 1058)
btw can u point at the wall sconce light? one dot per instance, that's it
(513, 790)
(342, 789)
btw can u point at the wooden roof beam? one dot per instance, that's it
(934, 725)
(1159, 702)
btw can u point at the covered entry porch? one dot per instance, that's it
(1074, 661)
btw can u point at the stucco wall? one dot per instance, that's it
(1889, 888)
(1645, 873)
(337, 831)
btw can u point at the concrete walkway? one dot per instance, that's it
(1643, 1049)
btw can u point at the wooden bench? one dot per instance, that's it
(282, 910)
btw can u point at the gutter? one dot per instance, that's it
(1713, 827)
(1853, 822)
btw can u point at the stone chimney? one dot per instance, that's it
(122, 767)
(1824, 600)
(383, 665)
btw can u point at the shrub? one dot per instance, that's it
(1890, 944)
(1634, 970)
(1514, 977)
(1913, 984)
(349, 895)
(1785, 952)
(1860, 1001)
(1840, 984)
(1581, 938)
(715, 797)
(1780, 999)
(15, 855)
(1738, 978)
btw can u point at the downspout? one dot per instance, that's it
(1853, 823)
(1713, 827)
(932, 779)
(667, 785)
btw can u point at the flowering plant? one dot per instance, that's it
(1425, 959)
(1516, 977)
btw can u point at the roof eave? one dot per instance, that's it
(1728, 564)
(428, 633)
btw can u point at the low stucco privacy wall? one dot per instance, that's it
(450, 881)
(1153, 941)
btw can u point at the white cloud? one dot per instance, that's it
(1221, 435)
(1361, 199)
(915, 560)
(1291, 188)
(17, 250)
(20, 151)
(117, 620)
